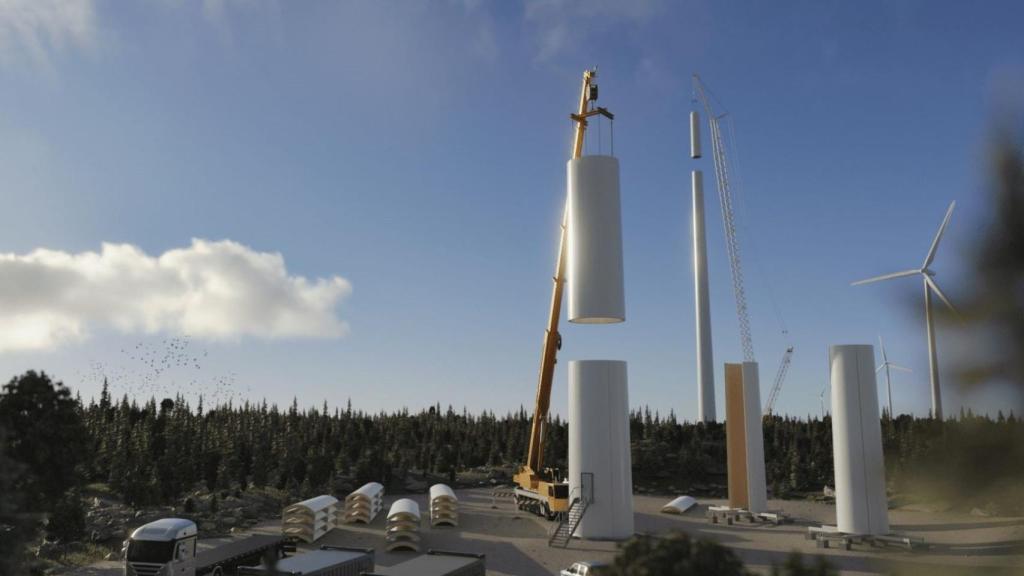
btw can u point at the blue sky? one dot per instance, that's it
(411, 155)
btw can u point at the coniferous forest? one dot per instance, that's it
(154, 452)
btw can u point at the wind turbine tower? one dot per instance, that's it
(930, 287)
(888, 378)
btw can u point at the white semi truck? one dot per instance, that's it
(167, 547)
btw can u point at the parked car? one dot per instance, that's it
(584, 569)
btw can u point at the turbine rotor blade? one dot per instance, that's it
(881, 346)
(902, 368)
(885, 277)
(935, 288)
(938, 236)
(880, 366)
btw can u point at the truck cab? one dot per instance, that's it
(166, 547)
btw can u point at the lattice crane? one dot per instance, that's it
(780, 377)
(728, 218)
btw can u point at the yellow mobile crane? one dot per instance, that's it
(539, 490)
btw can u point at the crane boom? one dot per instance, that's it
(549, 351)
(528, 478)
(780, 377)
(728, 220)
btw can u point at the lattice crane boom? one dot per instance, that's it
(728, 220)
(780, 377)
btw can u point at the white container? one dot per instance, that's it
(444, 506)
(595, 278)
(599, 458)
(362, 505)
(861, 506)
(310, 519)
(403, 529)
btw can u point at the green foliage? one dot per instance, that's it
(46, 435)
(157, 452)
(794, 566)
(67, 521)
(16, 527)
(675, 555)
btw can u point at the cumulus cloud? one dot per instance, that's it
(213, 290)
(41, 28)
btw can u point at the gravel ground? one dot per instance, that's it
(516, 542)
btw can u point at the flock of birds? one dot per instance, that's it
(166, 368)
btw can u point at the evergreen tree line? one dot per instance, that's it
(153, 453)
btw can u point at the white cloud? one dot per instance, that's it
(213, 290)
(40, 28)
(561, 24)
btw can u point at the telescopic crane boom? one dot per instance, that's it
(547, 495)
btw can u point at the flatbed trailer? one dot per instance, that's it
(227, 558)
(327, 561)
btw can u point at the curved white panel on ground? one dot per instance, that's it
(596, 294)
(444, 506)
(402, 532)
(861, 506)
(757, 489)
(679, 505)
(599, 446)
(310, 519)
(364, 504)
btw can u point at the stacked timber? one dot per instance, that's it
(362, 505)
(403, 531)
(444, 506)
(310, 519)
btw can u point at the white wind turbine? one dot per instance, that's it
(887, 365)
(929, 287)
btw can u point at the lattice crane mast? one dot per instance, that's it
(728, 218)
(780, 377)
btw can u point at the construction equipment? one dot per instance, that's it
(539, 490)
(728, 218)
(780, 376)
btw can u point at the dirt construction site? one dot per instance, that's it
(516, 543)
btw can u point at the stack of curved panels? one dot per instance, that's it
(363, 505)
(444, 506)
(403, 531)
(310, 519)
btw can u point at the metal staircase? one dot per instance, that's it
(569, 522)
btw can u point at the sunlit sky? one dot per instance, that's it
(360, 200)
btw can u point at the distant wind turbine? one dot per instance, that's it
(821, 398)
(887, 365)
(929, 287)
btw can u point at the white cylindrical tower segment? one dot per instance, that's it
(694, 134)
(705, 359)
(600, 468)
(861, 506)
(595, 277)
